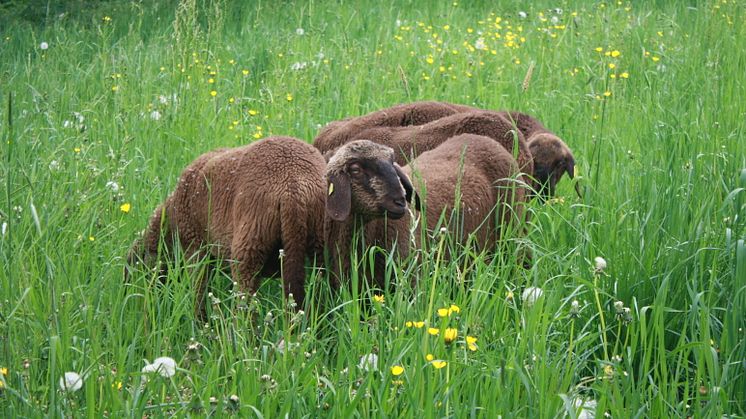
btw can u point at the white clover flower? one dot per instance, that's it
(368, 362)
(300, 32)
(530, 295)
(600, 263)
(54, 165)
(163, 99)
(555, 20)
(522, 14)
(112, 186)
(44, 46)
(67, 124)
(165, 366)
(155, 115)
(71, 382)
(479, 44)
(398, 23)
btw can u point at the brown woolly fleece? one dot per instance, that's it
(243, 205)
(409, 142)
(548, 167)
(365, 188)
(478, 174)
(340, 132)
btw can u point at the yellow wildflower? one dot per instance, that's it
(612, 66)
(615, 53)
(245, 72)
(397, 370)
(433, 331)
(213, 93)
(443, 312)
(289, 97)
(624, 75)
(429, 357)
(125, 208)
(211, 80)
(454, 309)
(450, 335)
(418, 325)
(408, 324)
(379, 298)
(253, 112)
(471, 342)
(655, 59)
(607, 93)
(438, 363)
(114, 88)
(599, 49)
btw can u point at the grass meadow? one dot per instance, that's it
(104, 103)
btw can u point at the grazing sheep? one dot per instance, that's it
(340, 132)
(476, 174)
(554, 157)
(410, 141)
(366, 189)
(243, 205)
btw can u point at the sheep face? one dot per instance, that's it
(552, 159)
(363, 178)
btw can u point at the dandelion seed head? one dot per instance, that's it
(44, 46)
(71, 382)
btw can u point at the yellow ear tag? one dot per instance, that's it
(331, 188)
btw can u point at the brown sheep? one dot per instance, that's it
(366, 189)
(411, 141)
(243, 205)
(554, 157)
(478, 175)
(340, 132)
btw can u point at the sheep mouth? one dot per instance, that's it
(396, 212)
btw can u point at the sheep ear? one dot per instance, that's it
(339, 196)
(408, 188)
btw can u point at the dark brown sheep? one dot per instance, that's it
(366, 188)
(243, 205)
(548, 167)
(477, 174)
(411, 141)
(340, 132)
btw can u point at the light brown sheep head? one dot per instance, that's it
(552, 159)
(363, 178)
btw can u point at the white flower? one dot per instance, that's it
(574, 308)
(299, 31)
(71, 382)
(112, 186)
(600, 263)
(163, 99)
(320, 56)
(479, 44)
(368, 362)
(555, 20)
(557, 11)
(67, 124)
(79, 116)
(530, 295)
(54, 165)
(165, 366)
(298, 66)
(4, 228)
(586, 409)
(522, 14)
(44, 46)
(398, 23)
(155, 115)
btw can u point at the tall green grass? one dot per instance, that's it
(105, 118)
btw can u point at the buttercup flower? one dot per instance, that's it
(379, 298)
(125, 208)
(433, 331)
(450, 335)
(71, 382)
(438, 363)
(471, 343)
(397, 370)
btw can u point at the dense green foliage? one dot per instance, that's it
(110, 100)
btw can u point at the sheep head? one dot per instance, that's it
(552, 159)
(363, 178)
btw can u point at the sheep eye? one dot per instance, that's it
(355, 169)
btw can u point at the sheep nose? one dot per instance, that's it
(401, 202)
